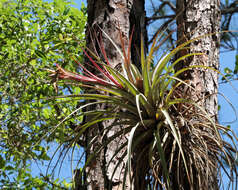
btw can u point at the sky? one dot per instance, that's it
(226, 114)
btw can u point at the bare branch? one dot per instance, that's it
(153, 18)
(165, 25)
(229, 10)
(171, 5)
(232, 8)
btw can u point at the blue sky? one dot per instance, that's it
(226, 114)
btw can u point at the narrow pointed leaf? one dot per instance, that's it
(162, 158)
(176, 137)
(129, 150)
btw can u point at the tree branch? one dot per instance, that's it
(154, 17)
(164, 26)
(229, 10)
(171, 5)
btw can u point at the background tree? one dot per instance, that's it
(34, 34)
(200, 18)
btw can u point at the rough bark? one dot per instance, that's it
(113, 17)
(196, 18)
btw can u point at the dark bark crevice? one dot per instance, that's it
(138, 21)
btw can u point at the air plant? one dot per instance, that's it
(181, 141)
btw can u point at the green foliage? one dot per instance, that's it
(231, 74)
(34, 34)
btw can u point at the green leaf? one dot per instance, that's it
(145, 64)
(177, 138)
(2, 162)
(40, 54)
(227, 70)
(61, 37)
(236, 65)
(162, 155)
(129, 150)
(66, 11)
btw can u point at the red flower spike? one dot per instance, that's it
(91, 75)
(62, 74)
(104, 72)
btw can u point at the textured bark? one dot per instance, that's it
(113, 17)
(196, 18)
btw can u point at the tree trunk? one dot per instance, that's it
(113, 17)
(196, 18)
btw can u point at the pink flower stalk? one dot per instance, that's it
(104, 70)
(91, 78)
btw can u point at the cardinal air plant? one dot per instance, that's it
(183, 144)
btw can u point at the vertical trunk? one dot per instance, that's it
(196, 18)
(113, 17)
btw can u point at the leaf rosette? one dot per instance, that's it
(174, 132)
